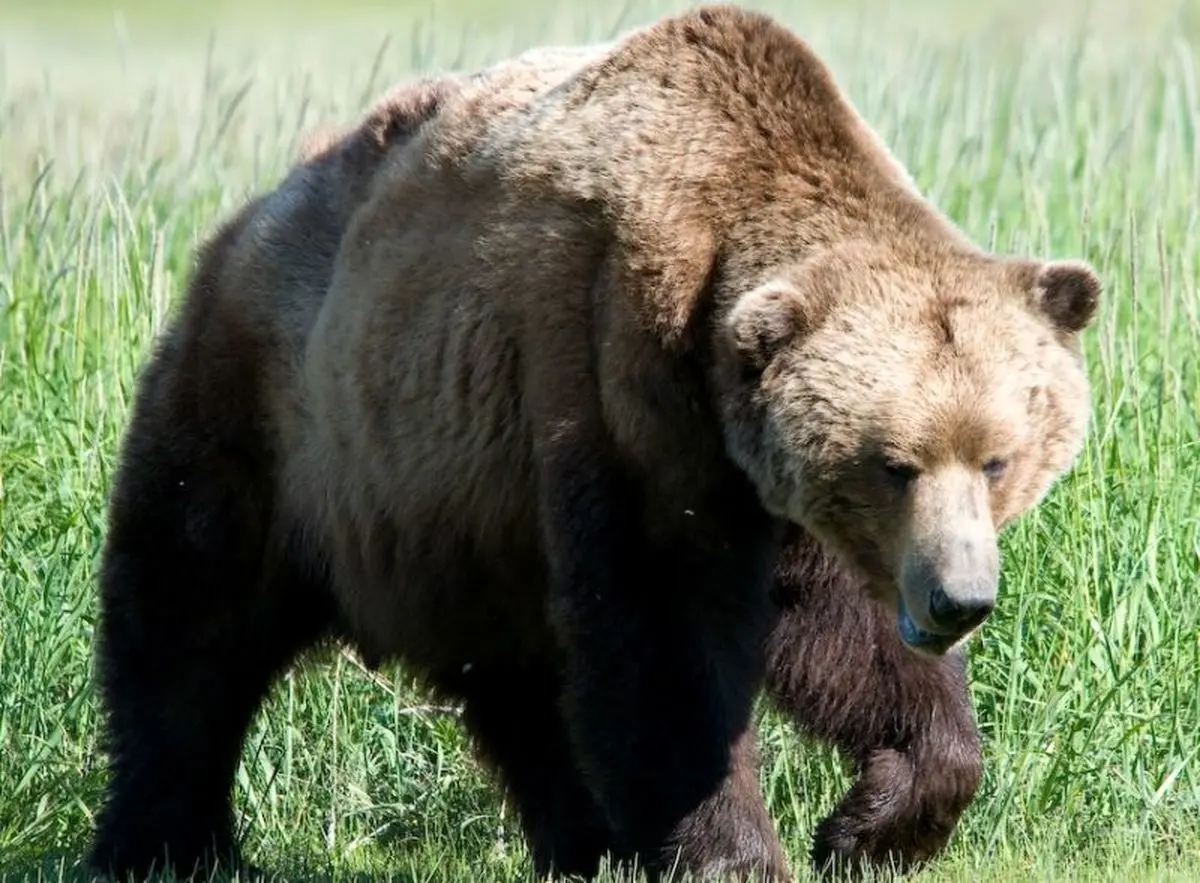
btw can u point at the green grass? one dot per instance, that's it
(125, 139)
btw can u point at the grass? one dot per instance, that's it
(1069, 133)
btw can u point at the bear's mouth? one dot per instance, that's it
(919, 639)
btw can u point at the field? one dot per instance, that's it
(1056, 129)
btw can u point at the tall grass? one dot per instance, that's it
(121, 146)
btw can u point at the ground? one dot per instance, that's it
(123, 138)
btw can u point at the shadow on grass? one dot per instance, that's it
(59, 867)
(69, 868)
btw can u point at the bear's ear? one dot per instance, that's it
(1068, 292)
(764, 320)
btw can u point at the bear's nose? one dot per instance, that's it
(959, 611)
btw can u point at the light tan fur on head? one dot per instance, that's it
(908, 406)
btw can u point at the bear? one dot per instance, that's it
(605, 392)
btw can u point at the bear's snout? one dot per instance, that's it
(948, 575)
(961, 608)
(949, 598)
(940, 605)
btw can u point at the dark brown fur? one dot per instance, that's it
(480, 387)
(838, 669)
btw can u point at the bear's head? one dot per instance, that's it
(904, 408)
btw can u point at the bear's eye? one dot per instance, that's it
(994, 468)
(901, 473)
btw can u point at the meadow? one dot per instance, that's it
(1055, 129)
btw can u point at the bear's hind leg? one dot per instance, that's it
(514, 719)
(839, 669)
(193, 628)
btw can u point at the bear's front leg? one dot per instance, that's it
(663, 651)
(838, 667)
(731, 833)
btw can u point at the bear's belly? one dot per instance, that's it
(439, 565)
(463, 614)
(414, 458)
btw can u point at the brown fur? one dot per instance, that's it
(838, 669)
(522, 381)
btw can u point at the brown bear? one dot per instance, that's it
(602, 390)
